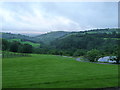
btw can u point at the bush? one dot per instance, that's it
(93, 55)
(79, 52)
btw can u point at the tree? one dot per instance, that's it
(14, 46)
(118, 53)
(20, 48)
(27, 48)
(5, 44)
(93, 55)
(79, 52)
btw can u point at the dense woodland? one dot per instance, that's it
(91, 44)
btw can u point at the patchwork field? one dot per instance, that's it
(49, 71)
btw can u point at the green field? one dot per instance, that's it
(25, 42)
(49, 71)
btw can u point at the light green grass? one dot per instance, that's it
(19, 40)
(48, 71)
(26, 42)
(33, 44)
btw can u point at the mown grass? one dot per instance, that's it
(48, 71)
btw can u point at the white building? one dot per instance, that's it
(109, 59)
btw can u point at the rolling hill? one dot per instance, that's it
(48, 37)
(51, 36)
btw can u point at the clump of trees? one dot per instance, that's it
(93, 55)
(16, 46)
(79, 52)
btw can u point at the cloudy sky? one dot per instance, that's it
(41, 17)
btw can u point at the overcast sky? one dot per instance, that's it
(41, 17)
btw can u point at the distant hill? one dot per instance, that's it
(107, 30)
(22, 39)
(18, 36)
(51, 36)
(48, 37)
(88, 39)
(94, 31)
(12, 36)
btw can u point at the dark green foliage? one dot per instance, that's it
(93, 55)
(118, 53)
(5, 44)
(79, 52)
(104, 40)
(27, 48)
(14, 46)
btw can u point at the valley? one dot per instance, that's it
(61, 59)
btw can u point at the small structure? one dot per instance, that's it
(110, 59)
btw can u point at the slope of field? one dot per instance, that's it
(48, 71)
(25, 42)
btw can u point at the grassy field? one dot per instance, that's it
(48, 71)
(25, 42)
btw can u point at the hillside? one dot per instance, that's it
(22, 41)
(48, 37)
(51, 36)
(79, 43)
(108, 31)
(18, 36)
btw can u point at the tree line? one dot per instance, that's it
(16, 46)
(91, 46)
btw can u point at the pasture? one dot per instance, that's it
(25, 42)
(50, 71)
